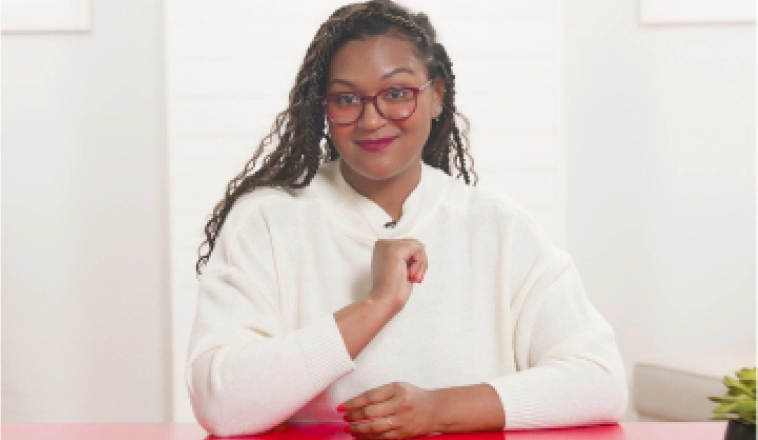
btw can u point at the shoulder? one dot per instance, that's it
(252, 204)
(498, 208)
(266, 203)
(484, 200)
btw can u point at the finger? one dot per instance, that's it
(374, 426)
(422, 272)
(420, 252)
(373, 411)
(375, 395)
(413, 271)
(423, 261)
(414, 249)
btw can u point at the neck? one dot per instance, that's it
(389, 194)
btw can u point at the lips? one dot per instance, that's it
(376, 144)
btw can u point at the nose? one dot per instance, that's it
(371, 119)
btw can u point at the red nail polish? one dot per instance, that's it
(347, 429)
(341, 408)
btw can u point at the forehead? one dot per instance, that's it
(365, 61)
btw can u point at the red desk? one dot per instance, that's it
(191, 431)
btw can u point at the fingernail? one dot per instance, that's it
(347, 429)
(341, 408)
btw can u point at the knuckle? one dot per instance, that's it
(373, 396)
(405, 405)
(369, 413)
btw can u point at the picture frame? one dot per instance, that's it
(654, 12)
(43, 16)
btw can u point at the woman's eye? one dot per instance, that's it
(398, 93)
(346, 99)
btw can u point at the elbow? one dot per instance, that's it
(221, 428)
(615, 397)
(223, 411)
(620, 396)
(221, 419)
(610, 393)
(217, 426)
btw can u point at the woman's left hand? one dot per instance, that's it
(395, 410)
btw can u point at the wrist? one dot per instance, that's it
(437, 422)
(386, 304)
(467, 408)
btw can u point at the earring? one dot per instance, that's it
(439, 112)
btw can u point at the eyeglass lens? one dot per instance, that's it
(393, 104)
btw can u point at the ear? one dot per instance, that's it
(439, 94)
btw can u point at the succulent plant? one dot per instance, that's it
(739, 402)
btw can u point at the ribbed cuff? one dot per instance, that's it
(524, 398)
(325, 353)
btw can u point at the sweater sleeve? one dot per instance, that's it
(246, 372)
(570, 372)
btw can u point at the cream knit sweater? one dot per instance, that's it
(500, 304)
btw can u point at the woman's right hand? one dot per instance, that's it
(395, 265)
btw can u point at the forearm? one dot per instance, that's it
(361, 321)
(546, 395)
(249, 387)
(468, 408)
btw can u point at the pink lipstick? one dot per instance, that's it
(375, 144)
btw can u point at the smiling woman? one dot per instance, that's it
(352, 277)
(381, 145)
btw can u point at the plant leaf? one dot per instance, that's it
(726, 408)
(729, 399)
(737, 386)
(747, 374)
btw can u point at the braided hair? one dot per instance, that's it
(299, 129)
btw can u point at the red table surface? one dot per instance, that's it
(192, 431)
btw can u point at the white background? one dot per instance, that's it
(652, 190)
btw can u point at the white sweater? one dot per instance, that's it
(500, 304)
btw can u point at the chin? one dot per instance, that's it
(379, 170)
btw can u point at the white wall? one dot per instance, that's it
(85, 328)
(661, 177)
(661, 201)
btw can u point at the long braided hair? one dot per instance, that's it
(300, 128)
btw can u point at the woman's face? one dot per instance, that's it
(367, 67)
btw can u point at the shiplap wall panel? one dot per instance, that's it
(232, 63)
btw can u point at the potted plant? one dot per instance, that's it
(738, 405)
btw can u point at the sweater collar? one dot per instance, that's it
(363, 217)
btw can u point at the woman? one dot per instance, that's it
(358, 279)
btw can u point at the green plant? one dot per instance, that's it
(739, 402)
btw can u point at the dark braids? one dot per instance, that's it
(298, 131)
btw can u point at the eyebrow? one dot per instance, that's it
(385, 76)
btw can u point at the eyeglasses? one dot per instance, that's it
(394, 104)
